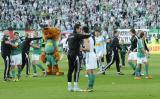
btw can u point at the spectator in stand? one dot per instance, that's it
(35, 14)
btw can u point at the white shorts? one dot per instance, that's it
(141, 60)
(16, 60)
(35, 57)
(91, 60)
(132, 56)
(100, 54)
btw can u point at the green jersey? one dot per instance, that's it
(35, 49)
(140, 46)
(50, 46)
(17, 50)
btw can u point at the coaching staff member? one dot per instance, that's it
(115, 53)
(25, 52)
(5, 52)
(74, 42)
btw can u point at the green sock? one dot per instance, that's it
(34, 68)
(40, 66)
(137, 73)
(19, 71)
(132, 65)
(90, 85)
(146, 68)
(13, 74)
(93, 79)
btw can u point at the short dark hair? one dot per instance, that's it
(85, 29)
(76, 26)
(141, 34)
(133, 31)
(97, 29)
(114, 32)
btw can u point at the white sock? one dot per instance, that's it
(34, 73)
(75, 83)
(69, 84)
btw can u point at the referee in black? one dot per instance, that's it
(74, 42)
(25, 53)
(5, 52)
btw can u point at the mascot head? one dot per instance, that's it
(51, 33)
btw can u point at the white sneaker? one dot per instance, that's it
(86, 76)
(76, 88)
(45, 73)
(15, 80)
(35, 75)
(101, 72)
(142, 74)
(70, 88)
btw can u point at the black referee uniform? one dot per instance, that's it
(74, 42)
(5, 52)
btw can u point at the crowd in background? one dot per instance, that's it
(109, 14)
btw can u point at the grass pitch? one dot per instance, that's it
(110, 86)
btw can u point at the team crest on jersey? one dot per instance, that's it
(50, 44)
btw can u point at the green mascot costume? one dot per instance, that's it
(50, 56)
